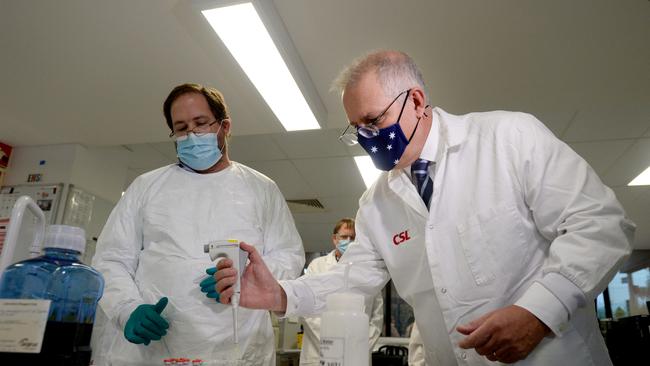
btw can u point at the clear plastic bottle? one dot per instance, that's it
(345, 331)
(73, 288)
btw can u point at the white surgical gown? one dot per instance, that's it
(516, 217)
(152, 246)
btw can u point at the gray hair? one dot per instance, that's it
(396, 72)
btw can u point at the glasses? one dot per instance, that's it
(200, 129)
(345, 237)
(370, 129)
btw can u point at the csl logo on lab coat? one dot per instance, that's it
(401, 237)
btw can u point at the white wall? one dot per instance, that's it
(101, 171)
(25, 160)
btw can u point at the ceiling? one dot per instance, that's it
(97, 72)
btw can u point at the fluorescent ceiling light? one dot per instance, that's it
(242, 31)
(642, 179)
(367, 169)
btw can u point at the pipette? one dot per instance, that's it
(222, 249)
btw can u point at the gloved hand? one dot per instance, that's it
(145, 323)
(208, 284)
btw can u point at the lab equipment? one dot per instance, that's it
(72, 288)
(345, 329)
(229, 248)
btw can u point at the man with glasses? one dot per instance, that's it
(159, 295)
(343, 236)
(494, 231)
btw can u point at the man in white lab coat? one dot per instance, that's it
(497, 233)
(158, 298)
(343, 235)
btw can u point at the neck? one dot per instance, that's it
(222, 164)
(414, 149)
(337, 255)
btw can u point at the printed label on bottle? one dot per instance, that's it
(332, 350)
(22, 325)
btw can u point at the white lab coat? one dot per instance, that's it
(416, 348)
(310, 353)
(152, 246)
(516, 217)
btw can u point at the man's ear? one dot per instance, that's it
(420, 100)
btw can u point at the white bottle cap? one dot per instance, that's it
(65, 237)
(345, 302)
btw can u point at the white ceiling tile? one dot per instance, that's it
(634, 161)
(316, 237)
(311, 144)
(602, 154)
(332, 176)
(336, 208)
(611, 118)
(255, 148)
(287, 177)
(636, 202)
(167, 149)
(148, 156)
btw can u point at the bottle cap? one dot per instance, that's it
(65, 237)
(345, 302)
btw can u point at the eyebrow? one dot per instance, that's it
(193, 119)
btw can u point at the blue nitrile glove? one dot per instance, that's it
(145, 323)
(208, 284)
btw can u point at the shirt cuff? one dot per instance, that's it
(547, 305)
(125, 313)
(300, 299)
(571, 296)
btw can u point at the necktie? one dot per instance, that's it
(422, 180)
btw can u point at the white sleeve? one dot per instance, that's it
(283, 251)
(306, 296)
(376, 320)
(117, 256)
(416, 348)
(589, 233)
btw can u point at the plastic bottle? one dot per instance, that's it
(73, 288)
(345, 331)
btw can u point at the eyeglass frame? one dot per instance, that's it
(174, 136)
(371, 128)
(345, 237)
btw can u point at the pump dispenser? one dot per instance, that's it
(344, 334)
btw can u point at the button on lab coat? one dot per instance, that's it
(152, 246)
(516, 217)
(310, 353)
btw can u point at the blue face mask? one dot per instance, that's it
(199, 152)
(342, 245)
(388, 145)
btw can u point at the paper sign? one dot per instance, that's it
(22, 325)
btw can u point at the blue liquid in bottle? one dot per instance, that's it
(74, 290)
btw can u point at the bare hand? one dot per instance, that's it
(508, 334)
(259, 289)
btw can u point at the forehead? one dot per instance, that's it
(190, 105)
(365, 98)
(346, 230)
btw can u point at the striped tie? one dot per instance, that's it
(422, 180)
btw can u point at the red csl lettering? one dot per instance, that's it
(401, 237)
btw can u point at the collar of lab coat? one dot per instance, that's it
(447, 131)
